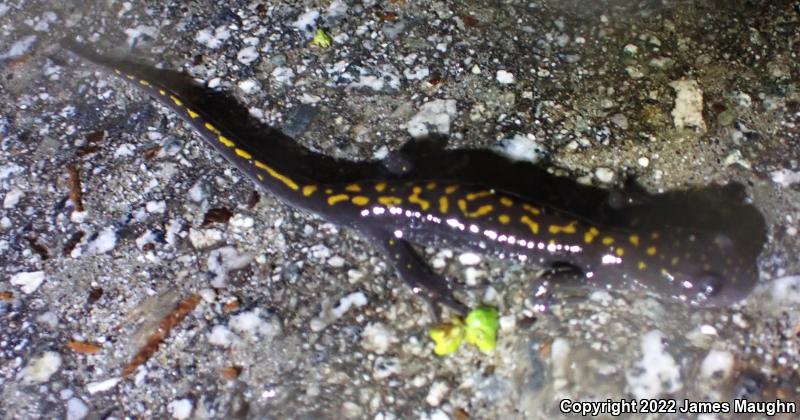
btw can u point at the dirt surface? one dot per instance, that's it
(128, 246)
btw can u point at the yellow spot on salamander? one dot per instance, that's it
(675, 260)
(144, 82)
(360, 200)
(651, 251)
(589, 236)
(275, 174)
(337, 198)
(619, 251)
(307, 190)
(415, 199)
(430, 185)
(531, 224)
(117, 71)
(260, 177)
(654, 235)
(642, 265)
(607, 240)
(328, 191)
(379, 187)
(192, 114)
(504, 219)
(477, 195)
(243, 153)
(212, 129)
(130, 76)
(353, 188)
(506, 201)
(283, 178)
(481, 211)
(570, 228)
(533, 210)
(450, 189)
(176, 100)
(162, 92)
(634, 240)
(227, 142)
(444, 204)
(390, 200)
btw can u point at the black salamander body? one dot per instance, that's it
(684, 264)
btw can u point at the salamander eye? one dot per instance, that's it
(709, 284)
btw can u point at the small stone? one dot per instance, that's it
(40, 370)
(717, 365)
(469, 258)
(604, 175)
(180, 409)
(336, 261)
(12, 198)
(620, 121)
(247, 55)
(504, 77)
(76, 409)
(378, 338)
(436, 393)
(29, 281)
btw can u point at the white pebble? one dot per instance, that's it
(204, 238)
(504, 77)
(355, 299)
(378, 338)
(336, 261)
(12, 198)
(247, 55)
(436, 393)
(180, 409)
(76, 409)
(718, 364)
(156, 206)
(643, 162)
(40, 370)
(523, 147)
(469, 258)
(249, 86)
(29, 281)
(282, 75)
(100, 386)
(433, 117)
(656, 373)
(241, 222)
(688, 110)
(221, 336)
(604, 175)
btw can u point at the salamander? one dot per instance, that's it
(687, 264)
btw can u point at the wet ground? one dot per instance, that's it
(117, 222)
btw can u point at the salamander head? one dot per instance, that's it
(699, 268)
(708, 269)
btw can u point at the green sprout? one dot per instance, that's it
(322, 39)
(481, 328)
(447, 337)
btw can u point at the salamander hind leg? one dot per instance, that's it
(557, 279)
(415, 272)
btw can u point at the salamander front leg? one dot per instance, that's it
(557, 278)
(415, 272)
